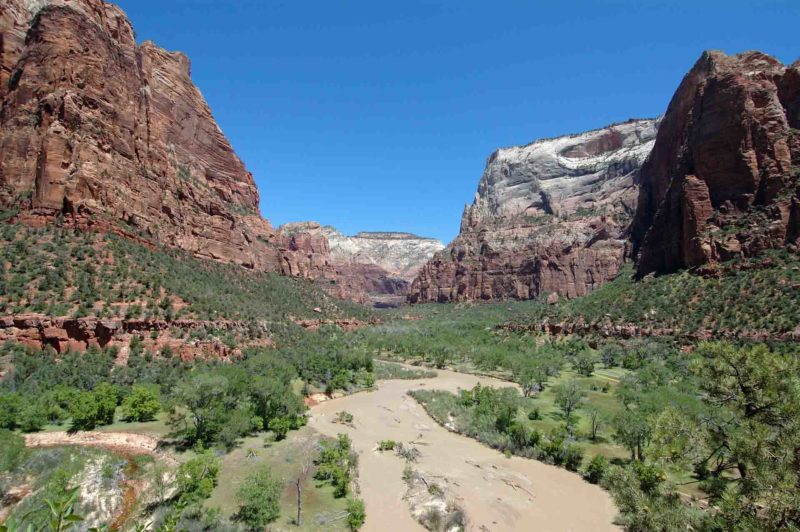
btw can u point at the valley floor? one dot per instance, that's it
(496, 492)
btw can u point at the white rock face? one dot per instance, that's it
(399, 254)
(550, 217)
(560, 176)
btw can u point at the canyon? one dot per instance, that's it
(101, 133)
(370, 267)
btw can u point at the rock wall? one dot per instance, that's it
(548, 217)
(369, 266)
(105, 134)
(37, 331)
(722, 180)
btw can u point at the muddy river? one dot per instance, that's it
(497, 493)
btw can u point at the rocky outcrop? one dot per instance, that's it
(548, 217)
(608, 329)
(370, 265)
(722, 180)
(64, 334)
(103, 134)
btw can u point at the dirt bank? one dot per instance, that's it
(497, 493)
(121, 442)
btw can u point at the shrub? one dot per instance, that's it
(280, 427)
(32, 417)
(12, 450)
(573, 457)
(10, 405)
(356, 514)
(259, 499)
(387, 445)
(596, 469)
(650, 476)
(197, 477)
(343, 417)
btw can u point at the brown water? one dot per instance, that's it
(497, 493)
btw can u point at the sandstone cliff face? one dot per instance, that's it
(109, 135)
(370, 264)
(722, 180)
(549, 217)
(399, 254)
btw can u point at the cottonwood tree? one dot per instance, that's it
(595, 421)
(569, 397)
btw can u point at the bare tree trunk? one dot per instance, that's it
(299, 505)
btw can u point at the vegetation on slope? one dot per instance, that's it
(61, 272)
(754, 295)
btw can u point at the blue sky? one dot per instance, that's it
(375, 115)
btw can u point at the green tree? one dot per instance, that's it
(203, 405)
(142, 404)
(32, 417)
(568, 397)
(197, 477)
(10, 406)
(758, 391)
(632, 429)
(83, 411)
(259, 499)
(106, 397)
(584, 362)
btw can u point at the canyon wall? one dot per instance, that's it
(371, 265)
(550, 217)
(104, 134)
(722, 180)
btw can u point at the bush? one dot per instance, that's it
(197, 477)
(573, 457)
(12, 450)
(650, 476)
(10, 405)
(387, 445)
(343, 417)
(280, 427)
(259, 499)
(32, 418)
(596, 469)
(356, 514)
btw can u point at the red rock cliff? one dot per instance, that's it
(114, 136)
(722, 180)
